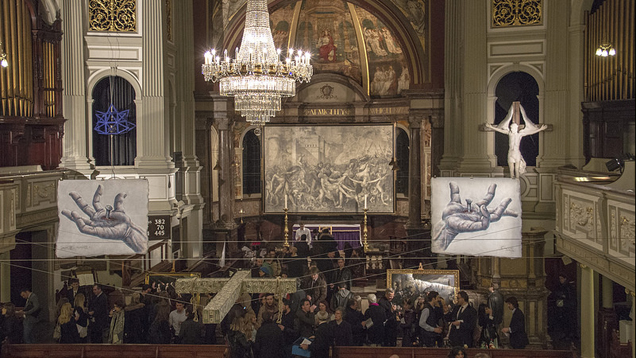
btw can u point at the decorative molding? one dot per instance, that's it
(508, 13)
(112, 15)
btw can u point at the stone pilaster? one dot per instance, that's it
(587, 312)
(553, 147)
(453, 72)
(74, 148)
(152, 126)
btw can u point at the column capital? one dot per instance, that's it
(223, 123)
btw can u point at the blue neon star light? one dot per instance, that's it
(113, 122)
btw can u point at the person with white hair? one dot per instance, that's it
(375, 326)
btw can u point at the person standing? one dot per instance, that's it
(73, 291)
(302, 230)
(270, 341)
(98, 311)
(391, 325)
(68, 327)
(463, 319)
(343, 274)
(177, 316)
(323, 338)
(190, 332)
(356, 320)
(517, 328)
(306, 319)
(431, 331)
(117, 322)
(496, 304)
(10, 325)
(377, 314)
(31, 311)
(341, 329)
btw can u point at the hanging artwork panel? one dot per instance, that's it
(102, 217)
(476, 216)
(328, 169)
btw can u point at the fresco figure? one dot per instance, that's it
(326, 47)
(390, 42)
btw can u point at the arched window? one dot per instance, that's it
(521, 87)
(251, 163)
(402, 157)
(114, 131)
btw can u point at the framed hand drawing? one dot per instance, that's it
(328, 169)
(417, 282)
(476, 216)
(108, 217)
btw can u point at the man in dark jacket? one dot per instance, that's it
(287, 325)
(323, 339)
(305, 319)
(517, 329)
(270, 341)
(356, 319)
(31, 311)
(98, 311)
(315, 287)
(390, 328)
(431, 331)
(463, 319)
(190, 332)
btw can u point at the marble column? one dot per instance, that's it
(74, 148)
(587, 312)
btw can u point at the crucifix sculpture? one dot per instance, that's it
(515, 132)
(228, 291)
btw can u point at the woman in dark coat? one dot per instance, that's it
(11, 327)
(68, 328)
(408, 323)
(81, 317)
(134, 322)
(159, 331)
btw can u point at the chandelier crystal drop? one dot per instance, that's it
(257, 78)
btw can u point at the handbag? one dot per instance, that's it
(83, 331)
(57, 333)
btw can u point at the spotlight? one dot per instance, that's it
(614, 164)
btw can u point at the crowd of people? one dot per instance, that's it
(323, 310)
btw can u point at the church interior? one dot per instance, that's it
(373, 114)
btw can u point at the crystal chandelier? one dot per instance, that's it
(257, 77)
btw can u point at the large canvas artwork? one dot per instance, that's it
(102, 217)
(328, 169)
(411, 284)
(478, 217)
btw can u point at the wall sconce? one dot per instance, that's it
(605, 50)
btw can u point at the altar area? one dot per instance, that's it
(342, 233)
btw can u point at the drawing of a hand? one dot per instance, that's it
(107, 222)
(474, 216)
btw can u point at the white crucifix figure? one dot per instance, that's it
(228, 291)
(515, 133)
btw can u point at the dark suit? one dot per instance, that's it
(71, 296)
(99, 307)
(518, 336)
(324, 338)
(463, 334)
(269, 342)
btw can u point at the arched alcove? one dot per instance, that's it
(251, 160)
(522, 87)
(113, 144)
